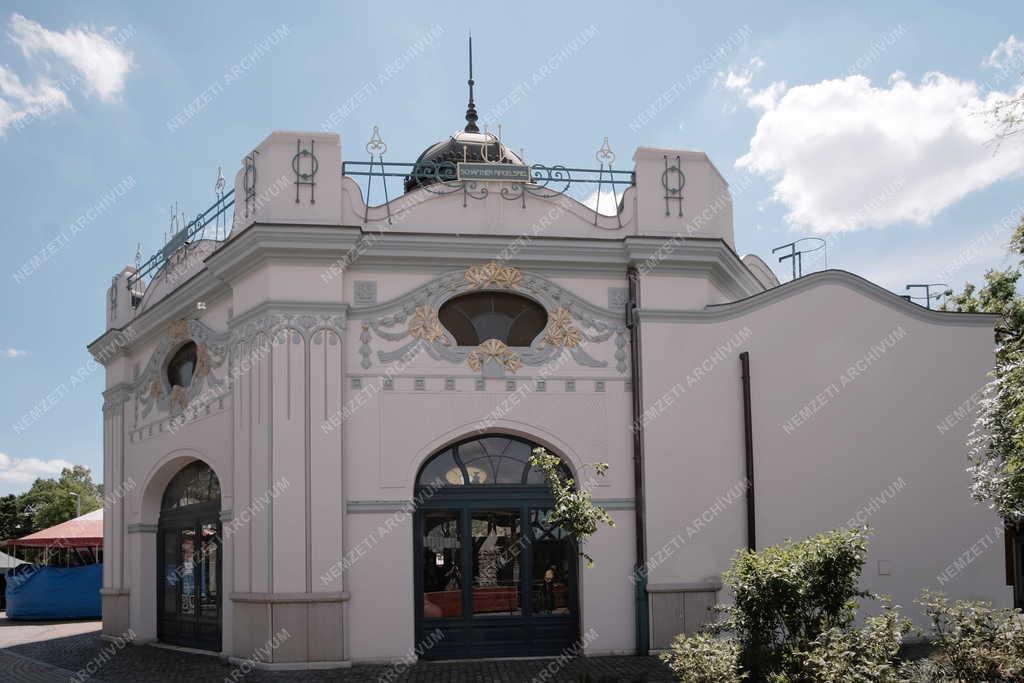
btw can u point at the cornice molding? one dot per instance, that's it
(728, 311)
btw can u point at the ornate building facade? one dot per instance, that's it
(328, 411)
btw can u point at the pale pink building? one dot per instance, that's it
(321, 415)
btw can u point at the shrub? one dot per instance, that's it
(975, 642)
(787, 596)
(864, 655)
(702, 658)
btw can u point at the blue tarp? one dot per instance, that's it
(35, 592)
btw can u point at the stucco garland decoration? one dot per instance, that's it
(152, 388)
(571, 321)
(493, 349)
(493, 274)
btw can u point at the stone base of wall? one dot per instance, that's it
(115, 613)
(289, 630)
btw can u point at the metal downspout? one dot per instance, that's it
(640, 568)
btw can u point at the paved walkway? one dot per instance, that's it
(73, 651)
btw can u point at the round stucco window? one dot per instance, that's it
(182, 366)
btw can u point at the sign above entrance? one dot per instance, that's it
(494, 172)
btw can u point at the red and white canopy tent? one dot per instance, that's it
(80, 534)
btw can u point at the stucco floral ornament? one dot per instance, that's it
(156, 388)
(202, 361)
(492, 349)
(424, 325)
(152, 389)
(493, 274)
(561, 330)
(178, 399)
(178, 330)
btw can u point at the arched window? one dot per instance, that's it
(182, 366)
(475, 318)
(195, 483)
(496, 459)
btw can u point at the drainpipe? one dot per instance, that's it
(748, 438)
(640, 569)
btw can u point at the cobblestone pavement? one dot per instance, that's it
(71, 651)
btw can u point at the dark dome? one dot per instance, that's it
(438, 163)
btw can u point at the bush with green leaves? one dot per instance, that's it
(702, 658)
(788, 595)
(974, 643)
(851, 655)
(574, 509)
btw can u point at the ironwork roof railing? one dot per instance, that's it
(193, 230)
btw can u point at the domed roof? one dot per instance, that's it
(439, 162)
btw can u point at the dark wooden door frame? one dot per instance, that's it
(461, 634)
(191, 516)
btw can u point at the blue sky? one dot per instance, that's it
(860, 125)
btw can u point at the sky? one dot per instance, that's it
(863, 125)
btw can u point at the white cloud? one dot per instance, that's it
(1008, 54)
(845, 154)
(95, 55)
(607, 207)
(12, 352)
(19, 102)
(738, 80)
(26, 470)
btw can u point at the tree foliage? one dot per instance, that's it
(574, 508)
(49, 502)
(996, 442)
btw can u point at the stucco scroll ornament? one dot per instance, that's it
(493, 274)
(492, 349)
(152, 388)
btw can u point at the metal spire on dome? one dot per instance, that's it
(471, 116)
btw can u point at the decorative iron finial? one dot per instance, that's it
(471, 116)
(218, 186)
(605, 155)
(138, 257)
(376, 145)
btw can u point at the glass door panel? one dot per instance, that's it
(497, 547)
(169, 602)
(206, 573)
(188, 578)
(552, 565)
(442, 564)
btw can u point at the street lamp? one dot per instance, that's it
(78, 503)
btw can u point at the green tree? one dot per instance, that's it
(996, 442)
(50, 502)
(14, 522)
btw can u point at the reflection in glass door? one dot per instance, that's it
(497, 546)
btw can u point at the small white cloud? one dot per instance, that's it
(95, 55)
(608, 202)
(739, 80)
(27, 470)
(12, 352)
(19, 102)
(846, 155)
(1009, 54)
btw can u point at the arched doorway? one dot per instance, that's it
(492, 573)
(189, 560)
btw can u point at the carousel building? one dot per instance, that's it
(321, 400)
